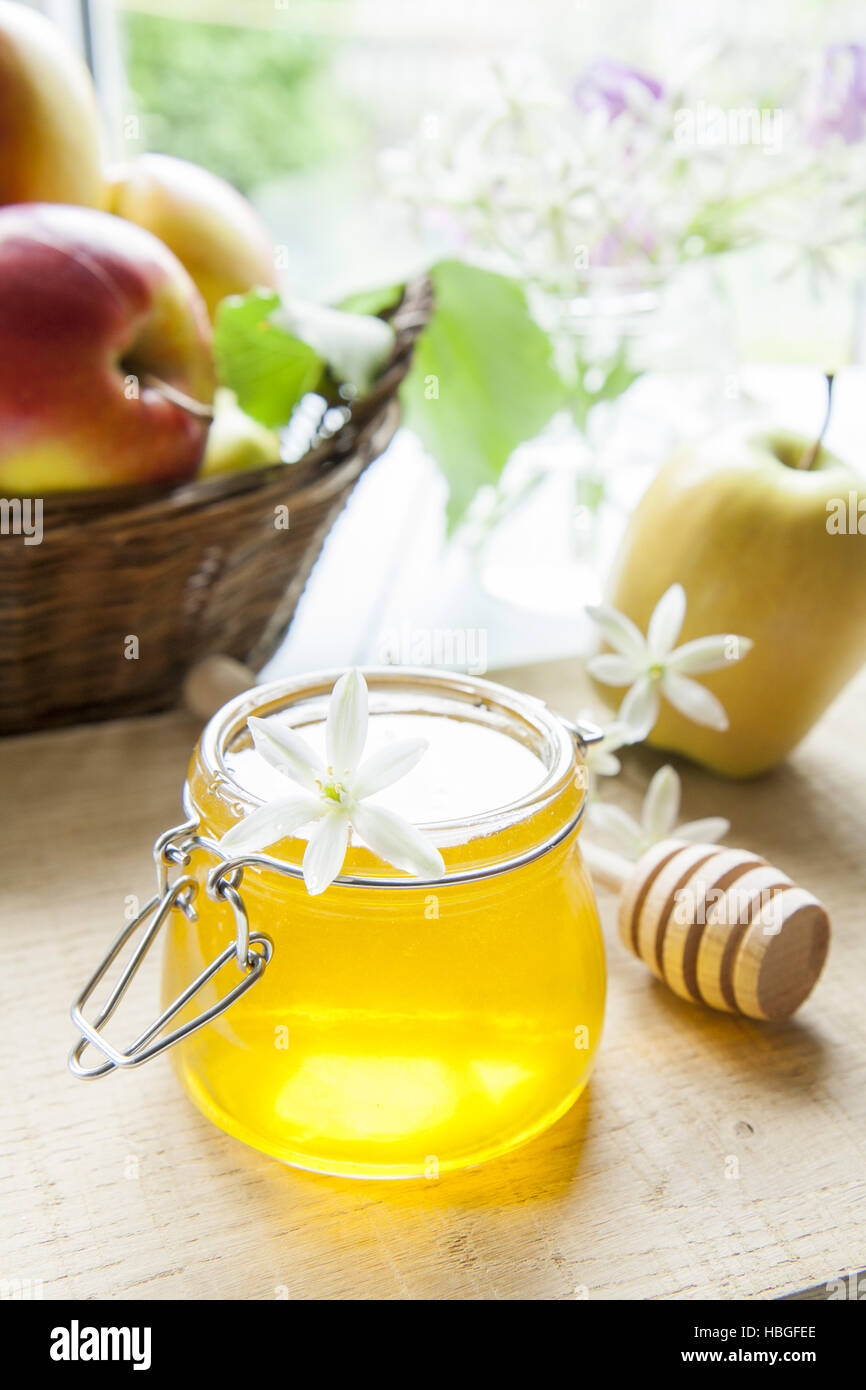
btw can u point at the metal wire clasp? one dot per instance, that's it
(583, 731)
(252, 953)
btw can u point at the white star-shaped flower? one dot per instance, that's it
(333, 796)
(658, 819)
(600, 756)
(653, 667)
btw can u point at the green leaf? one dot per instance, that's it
(268, 368)
(482, 379)
(372, 301)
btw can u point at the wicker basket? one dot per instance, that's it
(189, 572)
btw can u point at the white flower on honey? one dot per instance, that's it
(653, 667)
(332, 796)
(658, 819)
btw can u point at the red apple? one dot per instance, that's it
(105, 349)
(49, 122)
(209, 226)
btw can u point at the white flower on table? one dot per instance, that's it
(652, 667)
(600, 757)
(333, 795)
(658, 819)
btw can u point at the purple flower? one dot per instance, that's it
(836, 104)
(612, 86)
(624, 245)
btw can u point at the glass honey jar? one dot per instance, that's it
(389, 1026)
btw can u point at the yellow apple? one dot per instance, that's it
(49, 122)
(235, 440)
(765, 549)
(209, 226)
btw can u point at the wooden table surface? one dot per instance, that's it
(710, 1156)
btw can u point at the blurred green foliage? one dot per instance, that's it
(249, 104)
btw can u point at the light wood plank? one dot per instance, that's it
(120, 1189)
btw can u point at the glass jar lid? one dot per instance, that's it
(503, 778)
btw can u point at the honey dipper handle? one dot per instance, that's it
(605, 865)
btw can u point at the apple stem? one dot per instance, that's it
(810, 455)
(171, 393)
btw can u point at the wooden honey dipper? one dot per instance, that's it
(719, 926)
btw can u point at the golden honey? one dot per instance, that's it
(402, 1029)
